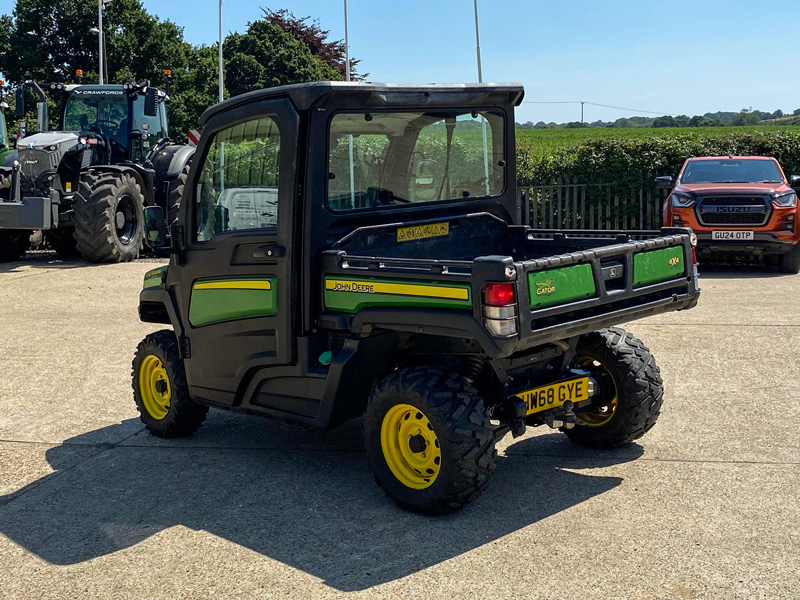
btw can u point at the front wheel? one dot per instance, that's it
(160, 389)
(790, 262)
(109, 217)
(630, 389)
(429, 442)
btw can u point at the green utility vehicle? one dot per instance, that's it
(85, 186)
(352, 249)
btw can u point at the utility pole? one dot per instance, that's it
(220, 51)
(581, 112)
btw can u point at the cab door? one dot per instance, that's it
(237, 278)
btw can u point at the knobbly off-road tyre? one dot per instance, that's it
(176, 189)
(13, 242)
(101, 234)
(790, 262)
(449, 415)
(630, 389)
(160, 389)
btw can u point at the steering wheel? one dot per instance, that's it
(102, 127)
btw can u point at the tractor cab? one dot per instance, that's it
(117, 113)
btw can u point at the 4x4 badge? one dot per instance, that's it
(674, 261)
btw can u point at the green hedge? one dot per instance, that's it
(630, 164)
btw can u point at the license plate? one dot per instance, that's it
(731, 235)
(553, 396)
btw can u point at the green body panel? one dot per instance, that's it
(350, 295)
(155, 277)
(658, 265)
(227, 304)
(557, 286)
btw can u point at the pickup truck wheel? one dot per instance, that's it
(790, 262)
(630, 393)
(429, 442)
(109, 217)
(160, 389)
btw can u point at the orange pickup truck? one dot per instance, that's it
(741, 205)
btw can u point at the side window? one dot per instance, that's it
(238, 185)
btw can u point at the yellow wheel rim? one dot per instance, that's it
(154, 387)
(601, 414)
(410, 446)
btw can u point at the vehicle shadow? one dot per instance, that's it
(50, 260)
(315, 509)
(714, 271)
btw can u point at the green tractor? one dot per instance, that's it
(85, 186)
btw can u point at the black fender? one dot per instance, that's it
(168, 164)
(143, 176)
(158, 305)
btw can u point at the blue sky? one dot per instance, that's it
(682, 56)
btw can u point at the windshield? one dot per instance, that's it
(381, 159)
(732, 171)
(106, 115)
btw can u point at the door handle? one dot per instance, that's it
(269, 252)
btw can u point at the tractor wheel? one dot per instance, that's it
(790, 262)
(176, 188)
(62, 241)
(160, 389)
(13, 242)
(109, 217)
(429, 441)
(630, 394)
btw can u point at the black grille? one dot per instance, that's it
(733, 218)
(733, 201)
(757, 215)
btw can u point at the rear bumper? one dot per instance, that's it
(762, 244)
(30, 213)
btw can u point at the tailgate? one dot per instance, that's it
(571, 294)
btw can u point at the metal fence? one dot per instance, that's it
(569, 205)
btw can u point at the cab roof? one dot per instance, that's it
(318, 94)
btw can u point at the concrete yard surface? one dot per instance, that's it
(706, 505)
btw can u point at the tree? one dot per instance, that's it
(312, 35)
(745, 117)
(665, 121)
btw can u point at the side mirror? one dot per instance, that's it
(794, 181)
(150, 102)
(155, 228)
(664, 182)
(19, 109)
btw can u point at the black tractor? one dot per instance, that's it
(85, 186)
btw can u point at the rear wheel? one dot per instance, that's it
(176, 189)
(160, 389)
(790, 262)
(630, 389)
(429, 442)
(13, 242)
(109, 217)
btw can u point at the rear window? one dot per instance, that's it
(731, 171)
(381, 159)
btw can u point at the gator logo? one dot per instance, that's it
(545, 288)
(674, 261)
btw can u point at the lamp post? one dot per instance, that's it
(483, 119)
(100, 36)
(220, 50)
(349, 137)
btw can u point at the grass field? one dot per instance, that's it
(540, 142)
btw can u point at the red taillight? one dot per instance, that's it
(498, 294)
(694, 256)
